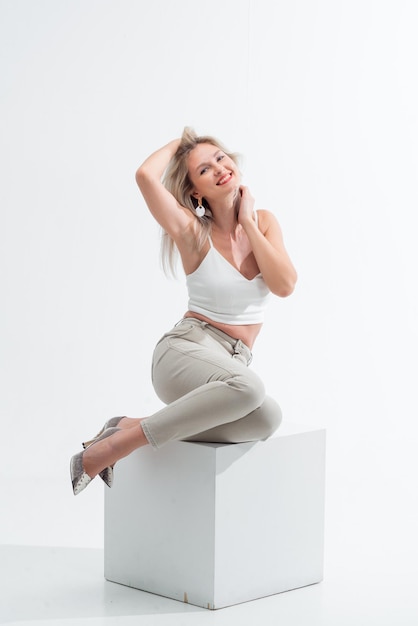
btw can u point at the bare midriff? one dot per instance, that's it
(247, 333)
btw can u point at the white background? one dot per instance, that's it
(321, 99)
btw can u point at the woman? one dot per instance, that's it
(233, 257)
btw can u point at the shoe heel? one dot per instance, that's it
(111, 423)
(88, 443)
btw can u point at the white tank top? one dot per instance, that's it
(221, 293)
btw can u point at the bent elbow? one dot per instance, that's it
(285, 292)
(286, 288)
(140, 175)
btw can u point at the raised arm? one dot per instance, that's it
(174, 218)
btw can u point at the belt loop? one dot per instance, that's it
(243, 350)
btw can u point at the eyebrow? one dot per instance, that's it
(206, 162)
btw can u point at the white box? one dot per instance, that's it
(219, 524)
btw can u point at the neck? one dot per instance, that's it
(225, 215)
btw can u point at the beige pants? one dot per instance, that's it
(202, 375)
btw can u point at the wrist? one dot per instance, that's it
(173, 145)
(248, 222)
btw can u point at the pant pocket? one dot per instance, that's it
(178, 331)
(164, 344)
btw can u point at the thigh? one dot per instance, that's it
(187, 357)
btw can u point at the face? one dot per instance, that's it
(212, 172)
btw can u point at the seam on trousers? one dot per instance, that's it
(146, 431)
(197, 358)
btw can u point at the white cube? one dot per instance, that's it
(219, 524)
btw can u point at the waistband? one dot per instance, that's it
(238, 346)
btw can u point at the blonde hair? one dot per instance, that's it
(176, 180)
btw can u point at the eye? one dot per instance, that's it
(203, 171)
(220, 157)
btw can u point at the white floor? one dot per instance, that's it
(65, 587)
(371, 562)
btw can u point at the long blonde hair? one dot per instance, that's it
(176, 180)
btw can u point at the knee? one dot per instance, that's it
(269, 418)
(251, 390)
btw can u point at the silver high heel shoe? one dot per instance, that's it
(79, 478)
(111, 423)
(107, 475)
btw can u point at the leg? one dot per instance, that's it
(210, 393)
(256, 426)
(202, 383)
(104, 453)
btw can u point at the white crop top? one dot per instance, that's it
(221, 293)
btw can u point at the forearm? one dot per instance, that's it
(157, 162)
(273, 261)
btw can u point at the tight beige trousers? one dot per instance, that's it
(202, 374)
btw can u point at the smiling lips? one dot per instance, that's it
(224, 179)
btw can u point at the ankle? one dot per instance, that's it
(93, 457)
(129, 422)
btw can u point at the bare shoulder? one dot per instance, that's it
(267, 220)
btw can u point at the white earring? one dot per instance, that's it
(200, 209)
